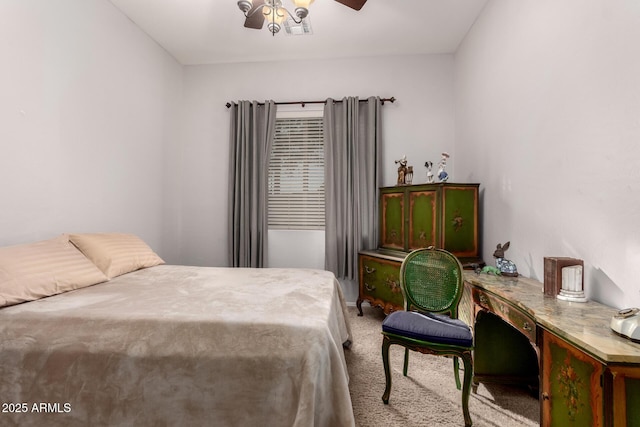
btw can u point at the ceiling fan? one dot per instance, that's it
(275, 13)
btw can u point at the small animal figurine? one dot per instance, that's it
(488, 269)
(443, 176)
(429, 166)
(402, 170)
(506, 267)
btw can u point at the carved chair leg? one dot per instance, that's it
(456, 371)
(466, 387)
(387, 371)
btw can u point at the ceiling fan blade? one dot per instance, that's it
(255, 20)
(353, 4)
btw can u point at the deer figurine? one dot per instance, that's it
(506, 267)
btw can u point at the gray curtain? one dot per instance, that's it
(252, 131)
(352, 135)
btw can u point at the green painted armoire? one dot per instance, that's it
(444, 215)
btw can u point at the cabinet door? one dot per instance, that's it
(460, 220)
(571, 392)
(422, 219)
(626, 395)
(392, 220)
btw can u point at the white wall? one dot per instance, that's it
(88, 103)
(420, 124)
(548, 120)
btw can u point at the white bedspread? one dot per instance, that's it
(180, 346)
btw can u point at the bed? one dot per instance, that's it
(175, 345)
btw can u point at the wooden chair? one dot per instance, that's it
(431, 281)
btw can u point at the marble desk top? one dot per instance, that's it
(585, 325)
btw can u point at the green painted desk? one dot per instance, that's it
(585, 374)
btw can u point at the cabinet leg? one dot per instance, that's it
(359, 305)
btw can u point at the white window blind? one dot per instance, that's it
(296, 174)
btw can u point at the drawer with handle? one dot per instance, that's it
(380, 283)
(507, 312)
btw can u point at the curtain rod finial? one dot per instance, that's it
(391, 100)
(228, 104)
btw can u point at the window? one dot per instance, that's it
(296, 173)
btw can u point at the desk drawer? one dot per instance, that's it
(380, 283)
(507, 312)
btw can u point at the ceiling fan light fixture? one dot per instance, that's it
(245, 5)
(302, 8)
(257, 11)
(274, 16)
(301, 12)
(273, 27)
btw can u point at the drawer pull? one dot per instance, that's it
(483, 299)
(368, 269)
(369, 288)
(527, 327)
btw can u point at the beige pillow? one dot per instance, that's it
(36, 270)
(116, 253)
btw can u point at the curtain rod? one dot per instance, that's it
(303, 103)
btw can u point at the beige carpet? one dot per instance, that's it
(428, 395)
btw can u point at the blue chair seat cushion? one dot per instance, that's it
(435, 328)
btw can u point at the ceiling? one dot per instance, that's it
(212, 31)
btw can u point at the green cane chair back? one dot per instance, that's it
(431, 281)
